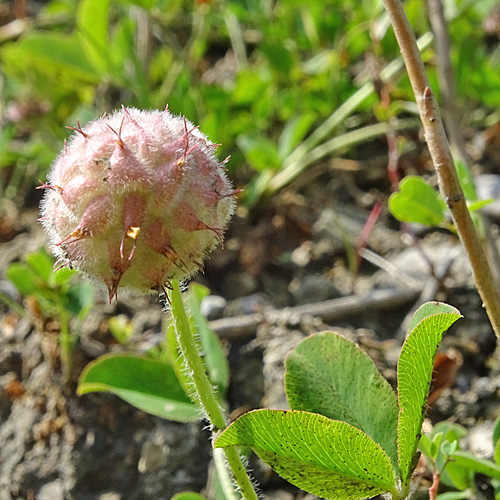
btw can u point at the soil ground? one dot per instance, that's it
(282, 275)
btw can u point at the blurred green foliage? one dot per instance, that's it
(57, 294)
(416, 201)
(462, 472)
(140, 379)
(258, 76)
(54, 291)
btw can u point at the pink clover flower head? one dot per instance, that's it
(136, 199)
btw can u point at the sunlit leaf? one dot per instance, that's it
(293, 132)
(188, 495)
(414, 376)
(280, 58)
(451, 474)
(476, 464)
(417, 201)
(146, 4)
(474, 206)
(466, 181)
(92, 22)
(22, 278)
(56, 48)
(41, 263)
(496, 431)
(260, 152)
(496, 454)
(328, 458)
(80, 299)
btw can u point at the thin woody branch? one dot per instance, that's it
(443, 161)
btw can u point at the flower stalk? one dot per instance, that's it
(204, 392)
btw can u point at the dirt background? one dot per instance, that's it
(282, 275)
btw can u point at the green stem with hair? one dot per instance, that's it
(205, 393)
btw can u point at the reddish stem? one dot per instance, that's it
(367, 229)
(435, 484)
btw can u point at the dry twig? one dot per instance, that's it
(443, 161)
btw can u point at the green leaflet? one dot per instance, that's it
(326, 457)
(145, 383)
(417, 201)
(330, 375)
(414, 376)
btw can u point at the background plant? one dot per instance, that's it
(118, 373)
(459, 469)
(57, 294)
(85, 60)
(418, 202)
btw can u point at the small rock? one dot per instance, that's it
(479, 440)
(10, 290)
(301, 256)
(110, 496)
(153, 457)
(313, 288)
(246, 305)
(212, 306)
(488, 187)
(51, 491)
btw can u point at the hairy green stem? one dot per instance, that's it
(66, 343)
(224, 476)
(204, 391)
(439, 150)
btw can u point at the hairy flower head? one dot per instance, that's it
(136, 199)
